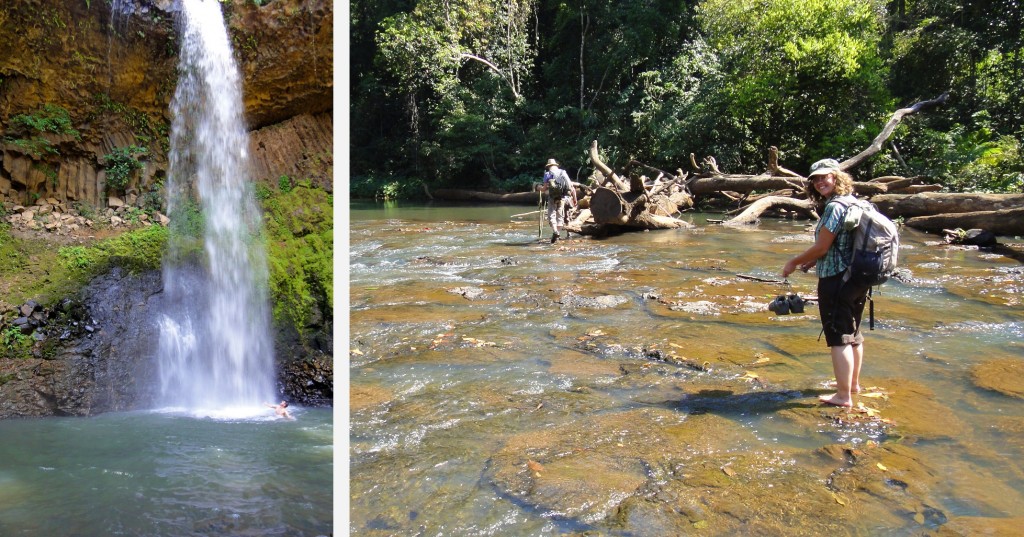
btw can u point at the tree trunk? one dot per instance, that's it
(633, 210)
(1001, 222)
(754, 210)
(455, 194)
(894, 121)
(908, 206)
(607, 172)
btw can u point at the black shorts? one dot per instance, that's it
(840, 306)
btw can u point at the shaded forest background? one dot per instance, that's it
(480, 93)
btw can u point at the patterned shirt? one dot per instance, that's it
(839, 254)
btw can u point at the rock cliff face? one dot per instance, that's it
(111, 65)
(80, 79)
(98, 355)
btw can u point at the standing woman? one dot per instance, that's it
(840, 304)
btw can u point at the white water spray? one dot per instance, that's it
(215, 351)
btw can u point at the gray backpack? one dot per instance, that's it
(876, 242)
(559, 185)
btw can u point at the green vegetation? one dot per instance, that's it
(136, 251)
(480, 94)
(299, 230)
(14, 344)
(139, 121)
(12, 257)
(34, 269)
(121, 163)
(28, 130)
(50, 118)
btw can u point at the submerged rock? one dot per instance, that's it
(1004, 375)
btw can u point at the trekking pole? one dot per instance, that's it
(540, 215)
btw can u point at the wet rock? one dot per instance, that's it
(1004, 375)
(700, 307)
(592, 465)
(574, 301)
(470, 293)
(968, 525)
(28, 307)
(913, 410)
(308, 380)
(99, 355)
(366, 396)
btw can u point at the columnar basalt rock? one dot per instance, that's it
(115, 73)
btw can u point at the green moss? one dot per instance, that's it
(299, 229)
(12, 258)
(54, 274)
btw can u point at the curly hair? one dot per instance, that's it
(844, 186)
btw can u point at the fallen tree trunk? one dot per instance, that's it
(750, 183)
(1001, 222)
(742, 183)
(754, 210)
(607, 172)
(919, 189)
(894, 121)
(516, 198)
(911, 205)
(635, 210)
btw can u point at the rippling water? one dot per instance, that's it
(502, 385)
(164, 474)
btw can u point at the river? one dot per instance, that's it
(637, 384)
(165, 473)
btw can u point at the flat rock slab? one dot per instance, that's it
(1004, 375)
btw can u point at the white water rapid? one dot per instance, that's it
(215, 350)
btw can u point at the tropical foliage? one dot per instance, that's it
(479, 93)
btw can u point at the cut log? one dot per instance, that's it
(932, 203)
(611, 207)
(1002, 222)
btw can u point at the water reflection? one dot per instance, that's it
(636, 385)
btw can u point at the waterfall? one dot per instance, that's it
(215, 349)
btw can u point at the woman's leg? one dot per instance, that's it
(858, 360)
(843, 364)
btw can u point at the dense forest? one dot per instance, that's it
(479, 93)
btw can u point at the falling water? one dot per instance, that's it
(215, 351)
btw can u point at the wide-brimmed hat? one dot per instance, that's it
(551, 162)
(823, 166)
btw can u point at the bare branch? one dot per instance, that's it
(468, 56)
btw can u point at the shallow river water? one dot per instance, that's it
(638, 385)
(167, 474)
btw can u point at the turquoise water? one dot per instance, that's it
(163, 474)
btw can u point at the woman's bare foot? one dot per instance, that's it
(834, 399)
(856, 389)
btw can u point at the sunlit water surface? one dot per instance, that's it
(467, 353)
(167, 474)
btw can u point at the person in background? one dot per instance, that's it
(561, 193)
(840, 304)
